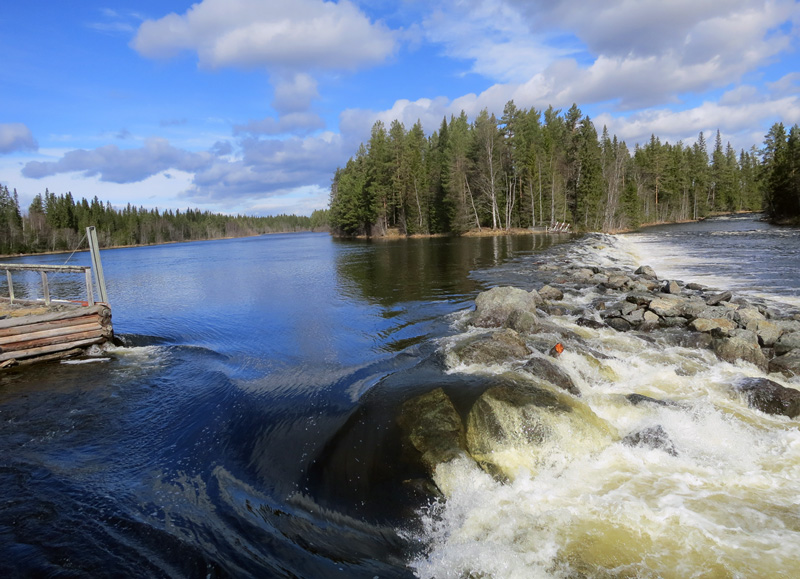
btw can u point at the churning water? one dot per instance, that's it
(248, 426)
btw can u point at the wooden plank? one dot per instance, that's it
(44, 267)
(50, 333)
(68, 339)
(10, 286)
(50, 349)
(43, 326)
(56, 356)
(45, 288)
(99, 309)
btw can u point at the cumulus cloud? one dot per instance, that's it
(295, 123)
(269, 34)
(117, 165)
(16, 137)
(635, 54)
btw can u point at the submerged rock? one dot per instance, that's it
(652, 437)
(434, 427)
(769, 397)
(546, 369)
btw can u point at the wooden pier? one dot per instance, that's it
(33, 330)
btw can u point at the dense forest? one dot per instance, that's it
(58, 222)
(532, 168)
(781, 174)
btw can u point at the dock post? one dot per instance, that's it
(91, 235)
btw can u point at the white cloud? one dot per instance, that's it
(16, 137)
(270, 34)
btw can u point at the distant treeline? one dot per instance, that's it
(781, 172)
(58, 222)
(533, 168)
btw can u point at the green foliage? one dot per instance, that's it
(780, 172)
(531, 168)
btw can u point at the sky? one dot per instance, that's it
(249, 106)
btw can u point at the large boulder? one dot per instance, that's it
(667, 305)
(646, 271)
(769, 397)
(546, 369)
(434, 428)
(551, 293)
(515, 426)
(717, 325)
(716, 299)
(494, 348)
(768, 332)
(787, 364)
(787, 342)
(506, 307)
(741, 345)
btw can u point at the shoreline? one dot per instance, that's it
(80, 250)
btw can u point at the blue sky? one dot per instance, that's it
(248, 106)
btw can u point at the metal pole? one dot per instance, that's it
(91, 235)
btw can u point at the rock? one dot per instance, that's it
(640, 298)
(767, 332)
(747, 315)
(637, 399)
(650, 317)
(667, 305)
(647, 271)
(506, 307)
(548, 370)
(583, 275)
(652, 437)
(787, 364)
(769, 397)
(495, 348)
(635, 317)
(600, 279)
(589, 323)
(617, 281)
(708, 325)
(671, 287)
(741, 345)
(695, 286)
(619, 324)
(550, 293)
(434, 427)
(515, 426)
(787, 342)
(674, 322)
(717, 299)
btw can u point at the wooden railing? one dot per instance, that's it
(44, 270)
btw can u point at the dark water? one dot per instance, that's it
(247, 426)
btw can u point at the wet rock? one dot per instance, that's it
(651, 318)
(583, 275)
(787, 342)
(717, 299)
(671, 287)
(551, 293)
(652, 437)
(646, 270)
(600, 279)
(506, 307)
(767, 332)
(514, 426)
(741, 345)
(674, 322)
(787, 364)
(619, 324)
(695, 286)
(495, 348)
(667, 305)
(635, 317)
(434, 428)
(589, 323)
(769, 397)
(617, 281)
(637, 399)
(747, 315)
(548, 370)
(708, 325)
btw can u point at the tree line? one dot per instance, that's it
(58, 222)
(532, 168)
(781, 164)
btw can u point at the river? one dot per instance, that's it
(247, 425)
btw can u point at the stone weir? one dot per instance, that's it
(512, 327)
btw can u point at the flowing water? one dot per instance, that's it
(247, 426)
